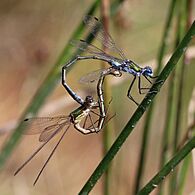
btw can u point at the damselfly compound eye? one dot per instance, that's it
(89, 99)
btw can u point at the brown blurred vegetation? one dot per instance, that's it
(32, 36)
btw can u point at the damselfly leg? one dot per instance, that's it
(129, 91)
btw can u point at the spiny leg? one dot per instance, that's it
(95, 113)
(142, 88)
(93, 125)
(85, 121)
(161, 81)
(152, 83)
(106, 110)
(148, 79)
(105, 123)
(145, 88)
(106, 114)
(153, 77)
(51, 154)
(102, 124)
(129, 92)
(84, 124)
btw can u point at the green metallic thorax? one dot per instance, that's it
(135, 67)
(78, 114)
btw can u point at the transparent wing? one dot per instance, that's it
(83, 46)
(92, 76)
(38, 125)
(39, 149)
(51, 154)
(86, 47)
(96, 29)
(50, 131)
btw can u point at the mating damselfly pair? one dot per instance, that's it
(81, 118)
(48, 127)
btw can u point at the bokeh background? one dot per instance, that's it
(32, 36)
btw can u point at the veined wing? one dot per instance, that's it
(92, 76)
(97, 30)
(38, 125)
(43, 144)
(87, 47)
(83, 46)
(51, 131)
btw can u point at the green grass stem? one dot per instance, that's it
(149, 115)
(169, 167)
(179, 101)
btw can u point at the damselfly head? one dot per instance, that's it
(89, 99)
(147, 71)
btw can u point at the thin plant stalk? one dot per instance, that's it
(179, 97)
(181, 88)
(183, 174)
(185, 166)
(149, 116)
(169, 125)
(165, 36)
(107, 133)
(103, 165)
(169, 167)
(170, 120)
(171, 113)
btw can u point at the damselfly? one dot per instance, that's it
(120, 64)
(48, 127)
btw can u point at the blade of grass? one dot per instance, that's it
(167, 29)
(190, 132)
(103, 165)
(107, 133)
(180, 90)
(183, 174)
(160, 176)
(169, 125)
(149, 116)
(184, 169)
(44, 90)
(171, 111)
